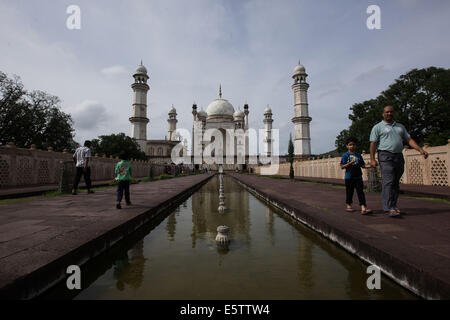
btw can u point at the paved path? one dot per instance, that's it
(49, 234)
(414, 249)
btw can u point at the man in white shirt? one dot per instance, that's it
(82, 159)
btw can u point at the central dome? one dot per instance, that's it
(220, 107)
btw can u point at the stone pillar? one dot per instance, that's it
(406, 167)
(427, 164)
(150, 172)
(447, 161)
(373, 180)
(67, 176)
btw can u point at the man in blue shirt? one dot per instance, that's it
(387, 136)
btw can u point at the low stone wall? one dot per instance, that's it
(433, 171)
(31, 167)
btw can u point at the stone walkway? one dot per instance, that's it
(413, 249)
(40, 238)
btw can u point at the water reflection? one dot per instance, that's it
(270, 225)
(269, 257)
(171, 224)
(206, 219)
(129, 268)
(305, 264)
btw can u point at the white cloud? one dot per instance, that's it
(189, 47)
(370, 74)
(89, 115)
(116, 70)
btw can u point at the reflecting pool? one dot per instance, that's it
(270, 256)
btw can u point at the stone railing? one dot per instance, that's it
(433, 171)
(31, 167)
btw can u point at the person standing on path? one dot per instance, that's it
(387, 136)
(82, 159)
(352, 162)
(123, 171)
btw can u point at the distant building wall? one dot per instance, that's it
(31, 167)
(433, 171)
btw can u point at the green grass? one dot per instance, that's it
(48, 194)
(165, 176)
(275, 177)
(324, 184)
(56, 193)
(94, 189)
(305, 182)
(430, 199)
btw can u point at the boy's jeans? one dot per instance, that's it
(392, 167)
(123, 185)
(350, 185)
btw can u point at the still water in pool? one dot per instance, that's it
(270, 256)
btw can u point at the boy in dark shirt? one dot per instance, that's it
(352, 162)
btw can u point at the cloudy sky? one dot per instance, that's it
(189, 47)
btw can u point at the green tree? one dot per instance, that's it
(35, 117)
(116, 144)
(421, 99)
(291, 157)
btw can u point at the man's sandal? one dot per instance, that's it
(349, 210)
(393, 213)
(367, 211)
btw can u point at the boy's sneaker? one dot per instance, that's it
(118, 206)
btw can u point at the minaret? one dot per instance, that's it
(194, 115)
(301, 119)
(246, 116)
(268, 131)
(139, 118)
(172, 121)
(247, 140)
